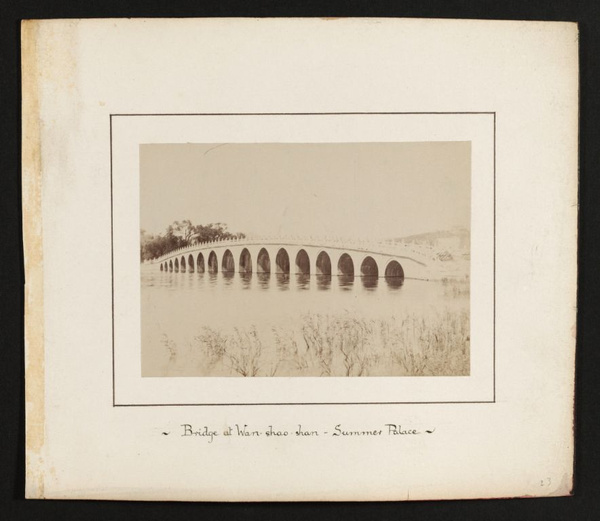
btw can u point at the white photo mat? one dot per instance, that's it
(131, 131)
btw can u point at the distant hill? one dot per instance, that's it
(454, 239)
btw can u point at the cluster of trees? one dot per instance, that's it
(181, 234)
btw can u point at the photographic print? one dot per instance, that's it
(305, 259)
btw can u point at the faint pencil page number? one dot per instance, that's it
(545, 482)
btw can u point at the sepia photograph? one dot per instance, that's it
(305, 259)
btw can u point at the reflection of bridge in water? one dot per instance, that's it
(392, 260)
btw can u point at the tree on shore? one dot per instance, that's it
(181, 234)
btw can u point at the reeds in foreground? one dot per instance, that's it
(340, 345)
(438, 346)
(241, 350)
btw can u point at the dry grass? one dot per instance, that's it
(241, 350)
(170, 346)
(341, 345)
(438, 346)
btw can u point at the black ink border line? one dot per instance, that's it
(112, 262)
(493, 400)
(493, 277)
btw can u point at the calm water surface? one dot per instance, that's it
(176, 307)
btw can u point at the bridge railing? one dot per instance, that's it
(386, 246)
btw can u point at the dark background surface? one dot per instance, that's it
(584, 505)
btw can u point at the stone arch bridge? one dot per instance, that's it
(306, 256)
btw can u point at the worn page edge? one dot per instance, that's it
(33, 262)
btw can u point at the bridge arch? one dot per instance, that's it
(191, 263)
(282, 261)
(323, 264)
(263, 262)
(394, 270)
(200, 263)
(302, 263)
(213, 264)
(369, 267)
(245, 261)
(182, 264)
(176, 265)
(228, 264)
(161, 266)
(170, 265)
(345, 265)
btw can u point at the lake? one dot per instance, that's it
(232, 324)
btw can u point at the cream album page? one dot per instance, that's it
(299, 259)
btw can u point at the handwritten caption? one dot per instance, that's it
(236, 430)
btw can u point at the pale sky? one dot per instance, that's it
(362, 190)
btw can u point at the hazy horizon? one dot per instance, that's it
(363, 190)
